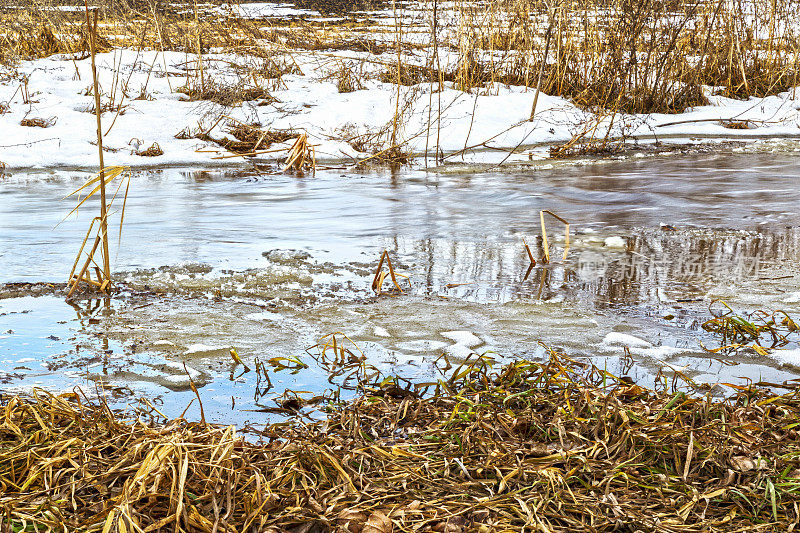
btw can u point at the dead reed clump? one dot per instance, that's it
(153, 151)
(310, 40)
(301, 155)
(375, 142)
(247, 138)
(272, 68)
(259, 138)
(409, 75)
(107, 107)
(476, 451)
(586, 149)
(340, 6)
(644, 57)
(736, 124)
(185, 133)
(227, 95)
(37, 122)
(393, 156)
(347, 80)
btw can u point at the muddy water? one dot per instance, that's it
(269, 264)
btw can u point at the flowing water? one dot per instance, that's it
(269, 264)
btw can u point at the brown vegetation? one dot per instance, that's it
(648, 56)
(555, 446)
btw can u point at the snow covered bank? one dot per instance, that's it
(146, 109)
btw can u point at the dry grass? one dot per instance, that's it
(649, 56)
(348, 79)
(247, 138)
(642, 57)
(553, 446)
(340, 6)
(37, 122)
(153, 151)
(226, 95)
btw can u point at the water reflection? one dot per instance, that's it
(226, 218)
(654, 266)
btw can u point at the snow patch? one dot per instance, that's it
(380, 332)
(499, 113)
(163, 343)
(459, 351)
(787, 357)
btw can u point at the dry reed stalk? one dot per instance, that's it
(301, 155)
(545, 245)
(541, 68)
(199, 49)
(398, 51)
(530, 254)
(103, 282)
(380, 275)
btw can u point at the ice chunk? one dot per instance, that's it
(615, 242)
(622, 339)
(463, 338)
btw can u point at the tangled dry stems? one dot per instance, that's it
(554, 446)
(642, 57)
(226, 95)
(37, 122)
(248, 138)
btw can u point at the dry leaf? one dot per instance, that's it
(351, 520)
(378, 523)
(745, 464)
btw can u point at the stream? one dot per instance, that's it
(268, 265)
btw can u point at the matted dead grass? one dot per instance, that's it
(554, 446)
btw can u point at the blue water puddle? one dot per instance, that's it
(47, 344)
(39, 337)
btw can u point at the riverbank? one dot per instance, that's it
(154, 119)
(552, 446)
(229, 83)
